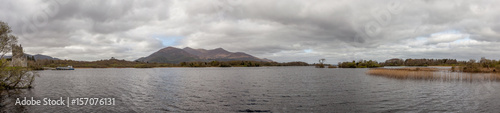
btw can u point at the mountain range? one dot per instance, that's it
(38, 57)
(187, 54)
(41, 57)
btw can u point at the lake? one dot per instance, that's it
(252, 89)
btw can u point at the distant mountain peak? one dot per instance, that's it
(170, 47)
(219, 49)
(187, 54)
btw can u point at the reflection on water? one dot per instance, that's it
(463, 76)
(259, 89)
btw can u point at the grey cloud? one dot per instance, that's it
(280, 30)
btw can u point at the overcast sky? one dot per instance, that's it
(280, 30)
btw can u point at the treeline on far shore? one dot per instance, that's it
(359, 64)
(115, 63)
(401, 62)
(483, 65)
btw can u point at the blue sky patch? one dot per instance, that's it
(168, 40)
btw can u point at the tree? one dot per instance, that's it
(6, 39)
(321, 60)
(11, 77)
(394, 62)
(321, 65)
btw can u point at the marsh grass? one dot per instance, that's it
(404, 73)
(433, 74)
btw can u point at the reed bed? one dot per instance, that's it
(404, 73)
(433, 74)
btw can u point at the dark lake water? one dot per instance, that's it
(264, 89)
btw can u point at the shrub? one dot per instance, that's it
(142, 66)
(15, 77)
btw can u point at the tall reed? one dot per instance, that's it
(432, 74)
(405, 73)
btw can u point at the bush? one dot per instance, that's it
(142, 66)
(223, 64)
(15, 77)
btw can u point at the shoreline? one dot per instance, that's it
(177, 67)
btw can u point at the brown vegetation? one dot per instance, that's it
(483, 66)
(431, 74)
(404, 73)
